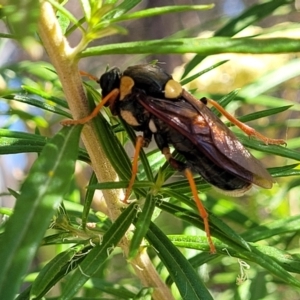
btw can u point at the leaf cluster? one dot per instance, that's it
(256, 239)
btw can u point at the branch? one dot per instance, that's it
(62, 58)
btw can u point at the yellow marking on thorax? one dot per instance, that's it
(126, 86)
(129, 118)
(173, 89)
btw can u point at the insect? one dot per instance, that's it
(151, 101)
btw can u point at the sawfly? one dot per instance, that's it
(152, 102)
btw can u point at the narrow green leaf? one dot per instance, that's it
(224, 101)
(263, 113)
(270, 258)
(120, 185)
(235, 25)
(141, 225)
(86, 6)
(121, 9)
(187, 280)
(63, 21)
(284, 171)
(22, 135)
(98, 255)
(227, 233)
(174, 191)
(272, 79)
(272, 149)
(290, 262)
(40, 195)
(66, 13)
(53, 271)
(38, 103)
(119, 291)
(21, 142)
(195, 76)
(54, 239)
(278, 227)
(156, 11)
(88, 200)
(11, 146)
(24, 295)
(6, 211)
(218, 228)
(269, 264)
(201, 46)
(253, 14)
(40, 69)
(188, 241)
(44, 95)
(270, 101)
(200, 259)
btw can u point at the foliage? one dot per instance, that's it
(256, 238)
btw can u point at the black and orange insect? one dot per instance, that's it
(149, 100)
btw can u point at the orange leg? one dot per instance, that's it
(90, 76)
(110, 97)
(202, 211)
(247, 129)
(138, 146)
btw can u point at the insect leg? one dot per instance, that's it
(112, 96)
(202, 211)
(247, 129)
(90, 76)
(138, 146)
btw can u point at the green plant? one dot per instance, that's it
(50, 190)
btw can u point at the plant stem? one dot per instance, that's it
(62, 58)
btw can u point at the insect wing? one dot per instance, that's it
(182, 117)
(210, 135)
(227, 143)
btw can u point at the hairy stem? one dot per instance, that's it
(62, 58)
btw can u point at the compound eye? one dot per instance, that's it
(173, 89)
